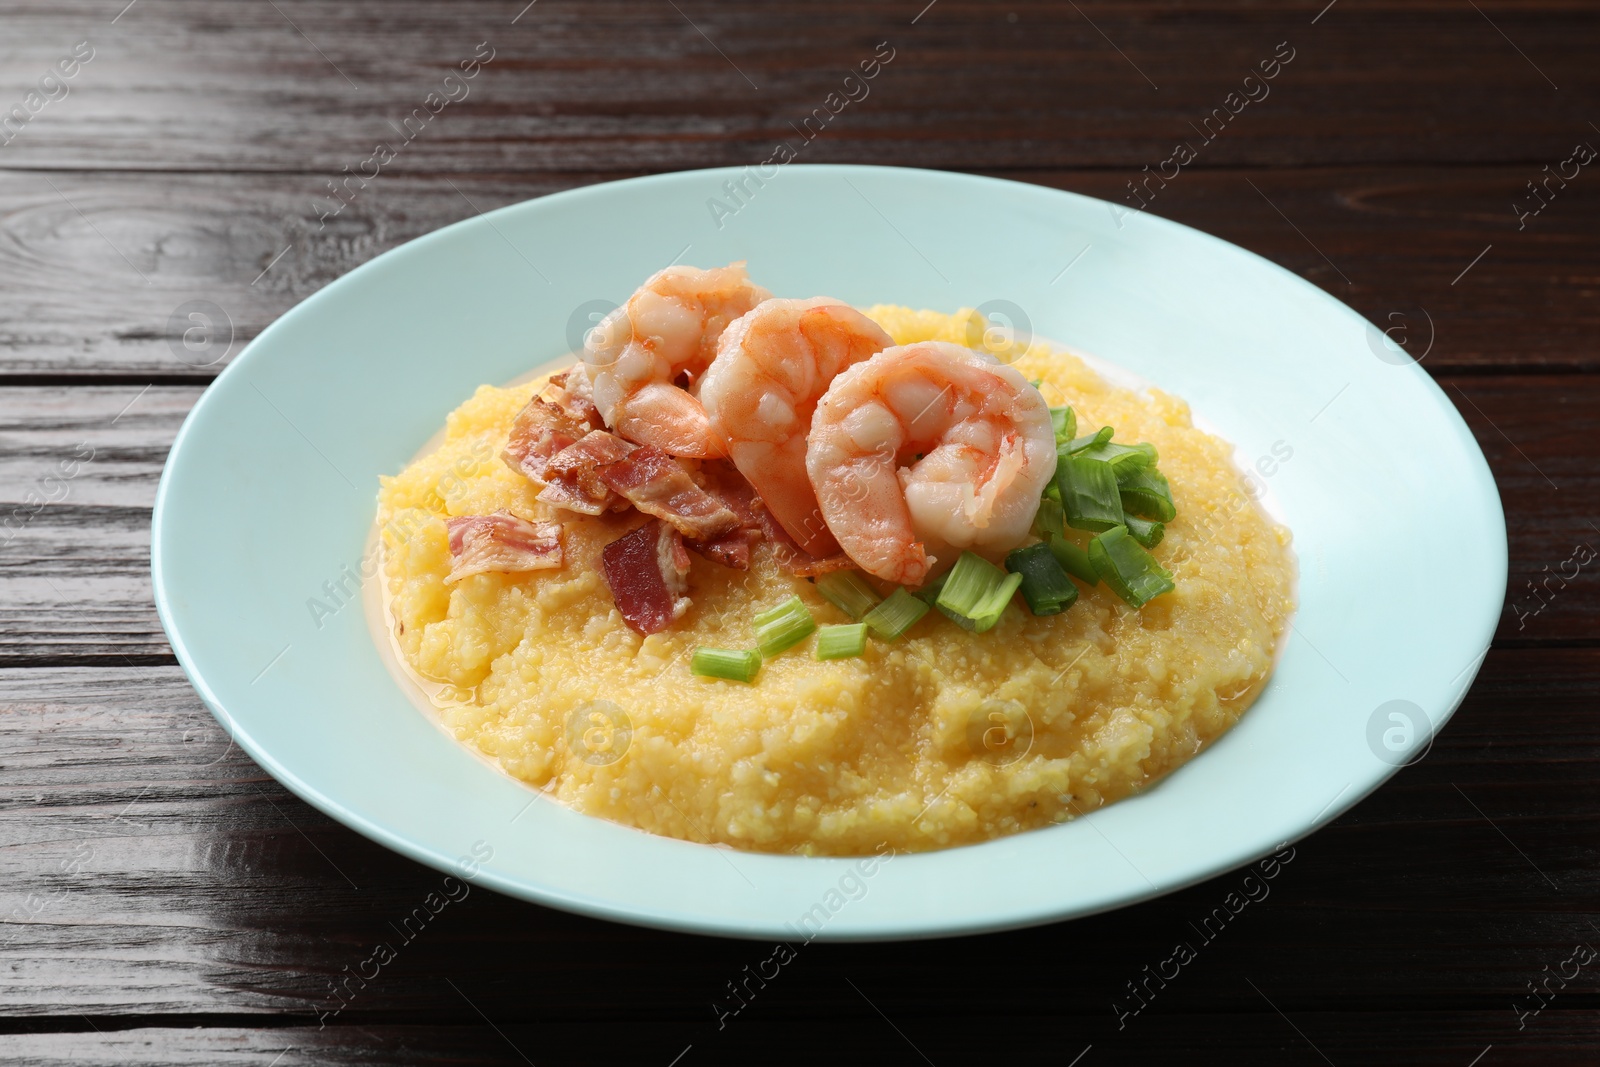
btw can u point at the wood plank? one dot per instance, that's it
(636, 84)
(74, 576)
(1417, 1039)
(98, 273)
(146, 866)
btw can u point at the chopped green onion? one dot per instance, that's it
(976, 592)
(1049, 519)
(843, 641)
(733, 664)
(930, 592)
(1074, 560)
(783, 626)
(849, 592)
(1088, 493)
(1146, 492)
(1124, 459)
(1045, 586)
(1127, 568)
(1145, 532)
(1099, 437)
(896, 615)
(1065, 422)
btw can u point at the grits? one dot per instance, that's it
(940, 738)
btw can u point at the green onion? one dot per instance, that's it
(1099, 437)
(1146, 492)
(1145, 532)
(1074, 560)
(849, 592)
(1049, 519)
(733, 664)
(896, 615)
(843, 641)
(1088, 493)
(1127, 568)
(1045, 586)
(1065, 422)
(976, 592)
(1124, 459)
(783, 626)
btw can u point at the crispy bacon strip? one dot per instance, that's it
(572, 476)
(659, 485)
(540, 431)
(501, 543)
(648, 572)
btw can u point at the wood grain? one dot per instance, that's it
(627, 84)
(147, 866)
(1412, 1038)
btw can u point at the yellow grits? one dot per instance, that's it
(940, 738)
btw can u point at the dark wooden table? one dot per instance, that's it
(165, 901)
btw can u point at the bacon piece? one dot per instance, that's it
(791, 557)
(573, 392)
(648, 572)
(501, 543)
(540, 431)
(572, 476)
(659, 485)
(733, 548)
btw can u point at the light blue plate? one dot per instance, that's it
(269, 493)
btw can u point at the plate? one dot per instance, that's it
(268, 496)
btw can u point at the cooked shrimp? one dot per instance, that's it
(642, 355)
(772, 367)
(929, 446)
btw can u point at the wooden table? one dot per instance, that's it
(165, 901)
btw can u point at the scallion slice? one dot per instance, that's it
(732, 664)
(895, 615)
(976, 592)
(1146, 493)
(1127, 568)
(783, 626)
(1124, 459)
(1088, 493)
(1073, 560)
(1065, 422)
(1099, 437)
(843, 641)
(1045, 585)
(1049, 519)
(849, 592)
(1145, 532)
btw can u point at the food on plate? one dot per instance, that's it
(792, 576)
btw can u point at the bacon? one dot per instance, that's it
(572, 476)
(573, 392)
(648, 572)
(659, 485)
(733, 548)
(501, 543)
(791, 557)
(540, 431)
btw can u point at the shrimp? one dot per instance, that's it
(929, 445)
(772, 367)
(641, 356)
